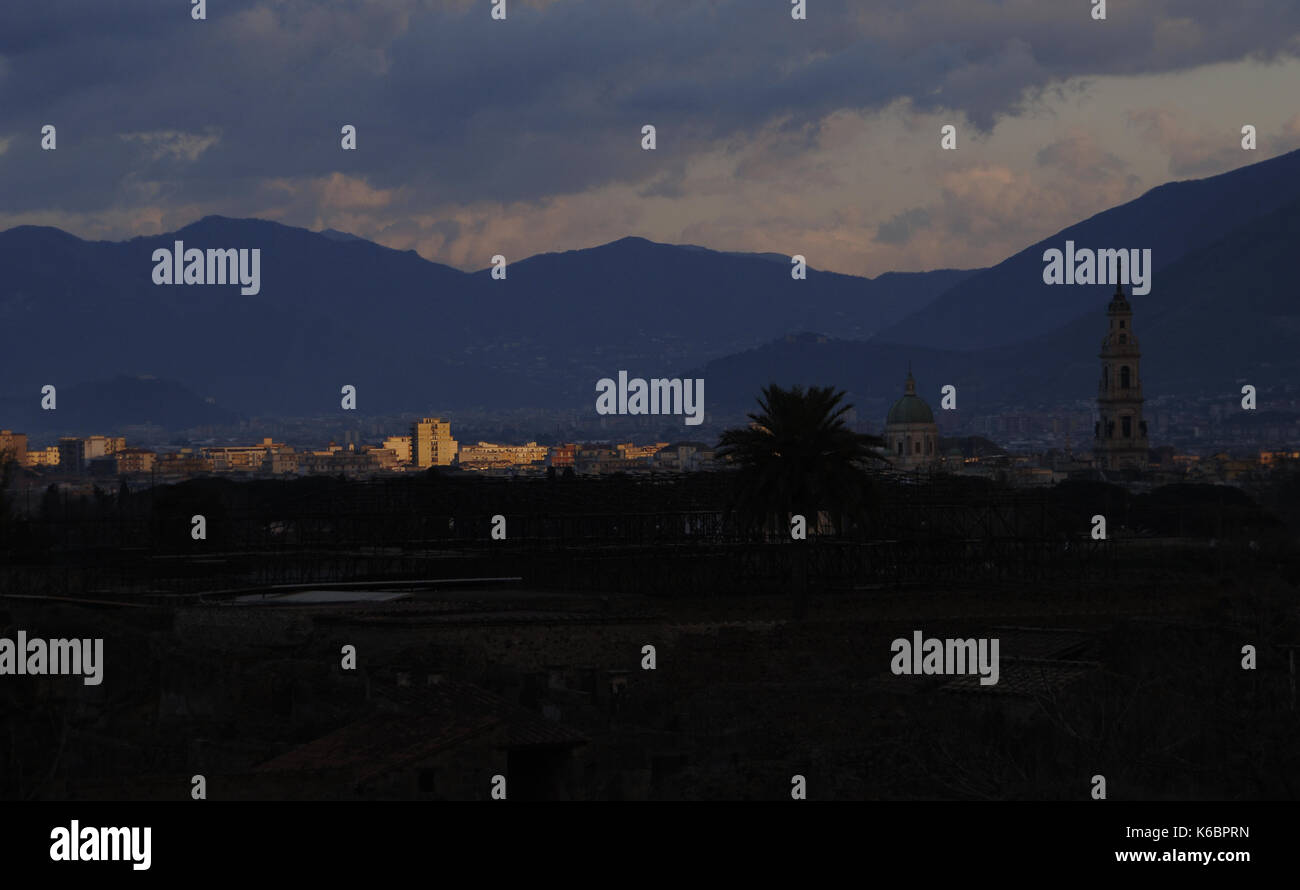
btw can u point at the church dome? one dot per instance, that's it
(911, 408)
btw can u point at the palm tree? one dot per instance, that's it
(798, 456)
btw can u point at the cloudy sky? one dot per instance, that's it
(522, 136)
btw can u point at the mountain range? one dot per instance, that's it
(1224, 314)
(410, 334)
(414, 335)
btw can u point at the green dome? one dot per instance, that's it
(911, 408)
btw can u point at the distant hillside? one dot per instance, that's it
(107, 406)
(414, 336)
(1223, 315)
(411, 335)
(699, 301)
(1009, 302)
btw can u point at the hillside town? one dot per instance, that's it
(911, 442)
(79, 464)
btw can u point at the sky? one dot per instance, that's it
(520, 136)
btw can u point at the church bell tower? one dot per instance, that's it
(1120, 435)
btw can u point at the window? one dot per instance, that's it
(1125, 379)
(1127, 427)
(1121, 325)
(1105, 378)
(1123, 338)
(900, 446)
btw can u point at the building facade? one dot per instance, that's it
(432, 444)
(103, 446)
(43, 457)
(72, 454)
(185, 462)
(244, 458)
(562, 455)
(134, 460)
(1120, 433)
(400, 446)
(13, 446)
(489, 454)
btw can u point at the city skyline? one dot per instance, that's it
(539, 400)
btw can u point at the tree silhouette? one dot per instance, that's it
(51, 505)
(798, 456)
(8, 471)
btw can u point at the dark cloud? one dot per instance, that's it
(454, 107)
(903, 226)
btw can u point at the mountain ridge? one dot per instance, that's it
(1009, 303)
(410, 334)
